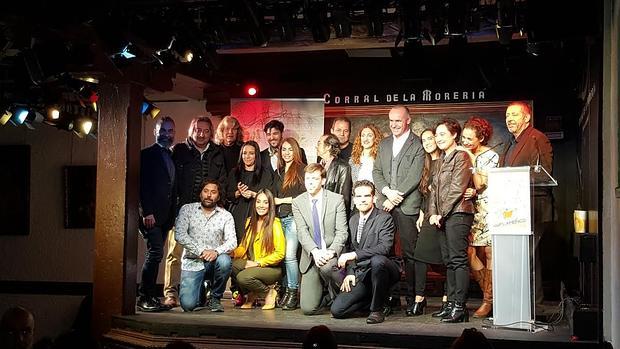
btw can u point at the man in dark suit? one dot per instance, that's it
(274, 132)
(530, 147)
(397, 173)
(370, 273)
(157, 208)
(321, 220)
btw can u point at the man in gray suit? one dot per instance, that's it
(397, 172)
(321, 220)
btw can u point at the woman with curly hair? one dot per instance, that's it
(364, 154)
(476, 134)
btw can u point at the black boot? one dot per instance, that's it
(292, 301)
(446, 309)
(283, 295)
(417, 308)
(459, 313)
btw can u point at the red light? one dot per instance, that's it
(252, 91)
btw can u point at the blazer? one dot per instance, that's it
(157, 189)
(408, 173)
(333, 218)
(338, 180)
(450, 181)
(261, 257)
(377, 239)
(532, 148)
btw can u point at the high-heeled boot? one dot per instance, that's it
(487, 301)
(292, 300)
(417, 308)
(446, 308)
(459, 313)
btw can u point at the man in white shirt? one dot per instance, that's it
(320, 217)
(207, 233)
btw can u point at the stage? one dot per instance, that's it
(257, 328)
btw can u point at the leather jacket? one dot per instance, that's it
(338, 180)
(452, 178)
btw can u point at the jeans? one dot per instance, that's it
(154, 253)
(191, 281)
(290, 258)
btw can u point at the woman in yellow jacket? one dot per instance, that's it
(256, 260)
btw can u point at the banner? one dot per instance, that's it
(508, 193)
(302, 119)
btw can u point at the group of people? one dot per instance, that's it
(227, 209)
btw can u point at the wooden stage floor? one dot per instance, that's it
(256, 328)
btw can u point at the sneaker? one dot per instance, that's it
(215, 305)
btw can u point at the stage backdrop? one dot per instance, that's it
(425, 116)
(302, 118)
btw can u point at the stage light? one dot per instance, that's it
(20, 116)
(374, 12)
(53, 113)
(93, 99)
(187, 57)
(284, 21)
(85, 126)
(6, 116)
(149, 109)
(316, 13)
(504, 26)
(341, 15)
(251, 91)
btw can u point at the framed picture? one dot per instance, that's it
(80, 189)
(15, 189)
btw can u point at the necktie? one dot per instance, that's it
(316, 223)
(360, 227)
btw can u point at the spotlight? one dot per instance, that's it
(374, 11)
(341, 15)
(316, 13)
(504, 25)
(20, 116)
(187, 57)
(33, 116)
(85, 126)
(53, 112)
(284, 22)
(6, 116)
(150, 109)
(251, 91)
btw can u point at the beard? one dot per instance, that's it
(207, 203)
(165, 141)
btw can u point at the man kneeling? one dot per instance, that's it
(207, 233)
(370, 273)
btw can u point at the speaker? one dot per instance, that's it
(585, 323)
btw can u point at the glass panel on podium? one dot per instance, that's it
(510, 225)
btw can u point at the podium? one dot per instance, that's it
(510, 225)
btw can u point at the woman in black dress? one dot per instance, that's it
(246, 179)
(427, 250)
